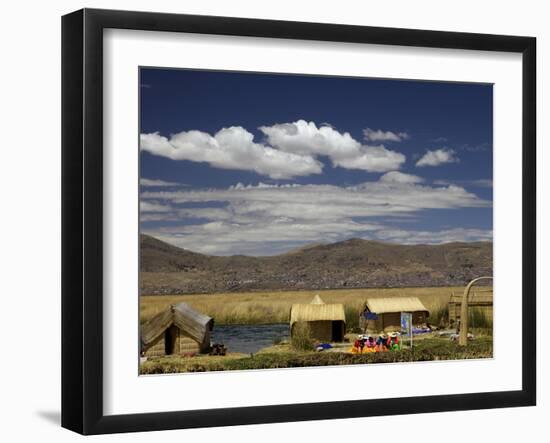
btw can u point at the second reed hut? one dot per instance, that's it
(177, 330)
(388, 312)
(327, 322)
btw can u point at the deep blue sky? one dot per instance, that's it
(434, 115)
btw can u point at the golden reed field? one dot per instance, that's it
(274, 307)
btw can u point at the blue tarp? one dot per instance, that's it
(370, 315)
(421, 330)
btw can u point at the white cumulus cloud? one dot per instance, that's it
(438, 157)
(381, 136)
(292, 150)
(373, 159)
(230, 148)
(306, 138)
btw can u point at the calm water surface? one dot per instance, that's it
(249, 338)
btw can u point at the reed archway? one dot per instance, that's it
(463, 338)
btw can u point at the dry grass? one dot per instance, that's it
(274, 307)
(301, 337)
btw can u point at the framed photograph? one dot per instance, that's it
(269, 221)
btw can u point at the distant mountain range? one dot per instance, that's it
(354, 263)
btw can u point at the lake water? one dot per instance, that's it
(249, 338)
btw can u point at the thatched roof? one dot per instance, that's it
(395, 304)
(317, 300)
(317, 310)
(181, 315)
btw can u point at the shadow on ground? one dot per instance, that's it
(54, 417)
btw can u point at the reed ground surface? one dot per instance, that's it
(274, 307)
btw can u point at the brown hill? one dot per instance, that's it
(354, 263)
(158, 256)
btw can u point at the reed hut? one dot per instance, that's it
(327, 322)
(388, 312)
(177, 330)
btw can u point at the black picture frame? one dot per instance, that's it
(82, 219)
